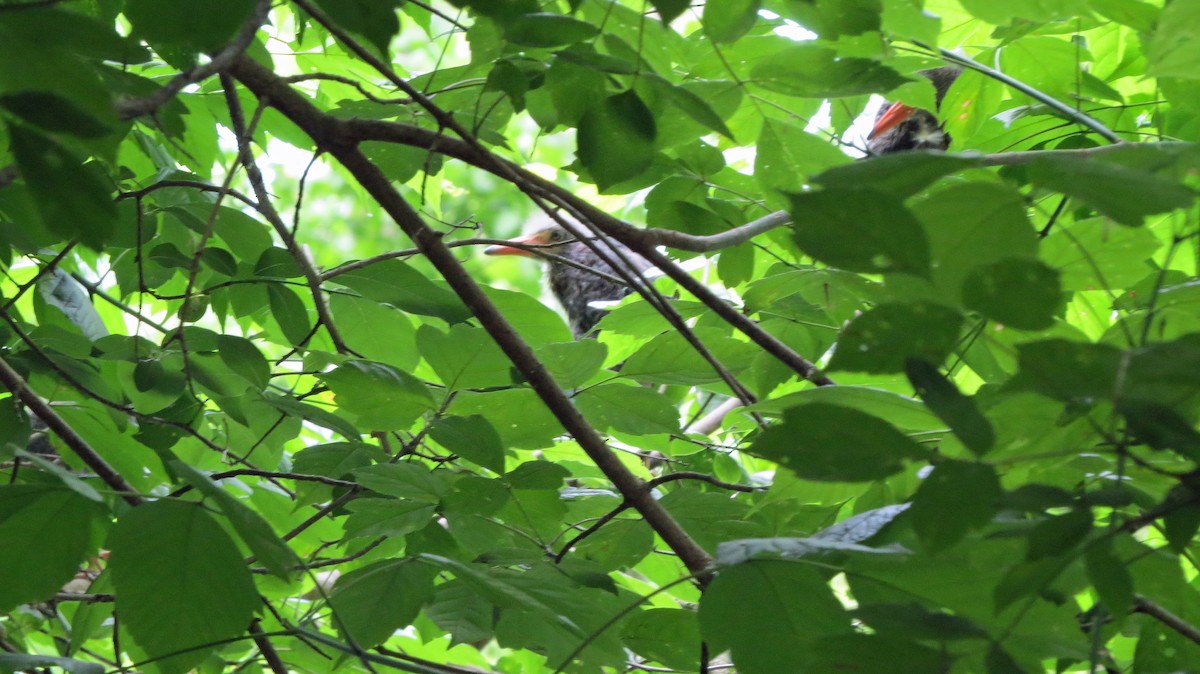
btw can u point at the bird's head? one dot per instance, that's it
(549, 240)
(895, 115)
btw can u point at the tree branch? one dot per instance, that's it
(327, 132)
(16, 384)
(1143, 605)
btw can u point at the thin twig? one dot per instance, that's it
(266, 649)
(1144, 605)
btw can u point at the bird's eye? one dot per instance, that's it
(557, 236)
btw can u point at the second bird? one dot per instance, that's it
(900, 127)
(575, 288)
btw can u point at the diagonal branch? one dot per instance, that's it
(328, 135)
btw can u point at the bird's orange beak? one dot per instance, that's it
(891, 118)
(530, 240)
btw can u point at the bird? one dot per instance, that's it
(577, 286)
(900, 127)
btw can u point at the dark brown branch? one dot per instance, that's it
(1144, 605)
(20, 389)
(137, 107)
(702, 477)
(327, 132)
(85, 597)
(266, 649)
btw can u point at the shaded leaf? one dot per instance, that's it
(616, 139)
(60, 522)
(813, 71)
(886, 337)
(1017, 292)
(860, 229)
(955, 498)
(957, 410)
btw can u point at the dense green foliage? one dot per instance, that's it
(268, 457)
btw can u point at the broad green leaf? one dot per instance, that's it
(1068, 370)
(372, 517)
(371, 603)
(900, 411)
(21, 662)
(72, 200)
(1110, 577)
(812, 71)
(289, 312)
(955, 498)
(1123, 193)
(374, 19)
(548, 30)
(871, 653)
(314, 414)
(158, 22)
(787, 156)
(1030, 10)
(572, 363)
(616, 139)
(1016, 292)
(957, 410)
(168, 554)
(382, 397)
(798, 600)
(1161, 427)
(915, 622)
(377, 331)
(465, 357)
(668, 10)
(860, 229)
(276, 262)
(45, 531)
(884, 338)
(729, 20)
(669, 359)
(902, 174)
(820, 441)
(628, 409)
(394, 282)
(1173, 50)
(244, 358)
(408, 481)
(518, 415)
(1056, 536)
(667, 635)
(973, 224)
(537, 475)
(336, 460)
(269, 549)
(472, 438)
(1096, 255)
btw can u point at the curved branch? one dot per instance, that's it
(17, 385)
(1143, 605)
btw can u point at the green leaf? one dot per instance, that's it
(572, 363)
(787, 155)
(168, 554)
(796, 596)
(267, 546)
(1123, 193)
(244, 358)
(1056, 536)
(275, 262)
(628, 409)
(377, 331)
(860, 229)
(669, 359)
(1067, 370)
(465, 357)
(1016, 292)
(45, 531)
(472, 438)
(1110, 576)
(826, 442)
(1095, 254)
(1160, 427)
(21, 662)
(548, 30)
(188, 24)
(616, 139)
(902, 174)
(729, 20)
(289, 312)
(394, 282)
(537, 475)
(1173, 50)
(71, 199)
(375, 20)
(666, 635)
(955, 498)
(812, 71)
(382, 397)
(335, 459)
(957, 410)
(669, 10)
(371, 603)
(314, 414)
(884, 338)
